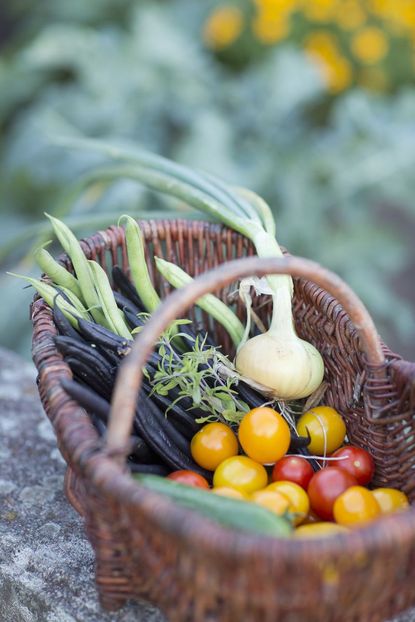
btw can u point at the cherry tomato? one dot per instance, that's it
(390, 500)
(299, 502)
(293, 469)
(325, 427)
(213, 444)
(319, 530)
(190, 478)
(241, 473)
(264, 435)
(224, 491)
(356, 461)
(324, 488)
(355, 506)
(272, 500)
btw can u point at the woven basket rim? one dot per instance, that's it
(191, 528)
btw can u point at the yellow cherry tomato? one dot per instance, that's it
(241, 473)
(224, 491)
(272, 500)
(319, 530)
(355, 506)
(213, 444)
(390, 500)
(297, 496)
(325, 427)
(264, 435)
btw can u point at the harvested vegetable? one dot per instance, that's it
(264, 435)
(298, 498)
(189, 478)
(390, 500)
(289, 367)
(213, 444)
(325, 427)
(273, 501)
(356, 461)
(234, 513)
(242, 473)
(355, 507)
(293, 469)
(324, 488)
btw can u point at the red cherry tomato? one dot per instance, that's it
(293, 469)
(324, 488)
(190, 478)
(356, 461)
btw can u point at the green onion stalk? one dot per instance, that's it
(278, 359)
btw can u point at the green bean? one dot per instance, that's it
(209, 303)
(114, 317)
(80, 263)
(57, 273)
(50, 295)
(138, 266)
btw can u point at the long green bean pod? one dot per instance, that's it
(56, 272)
(138, 266)
(209, 303)
(80, 263)
(51, 295)
(114, 317)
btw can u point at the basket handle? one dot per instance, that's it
(129, 377)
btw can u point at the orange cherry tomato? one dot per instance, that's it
(241, 473)
(272, 500)
(298, 498)
(356, 506)
(319, 530)
(264, 435)
(390, 500)
(224, 491)
(212, 445)
(325, 427)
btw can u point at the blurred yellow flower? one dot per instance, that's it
(223, 27)
(276, 7)
(350, 15)
(335, 69)
(270, 29)
(321, 43)
(319, 10)
(370, 45)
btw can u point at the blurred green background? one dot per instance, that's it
(311, 104)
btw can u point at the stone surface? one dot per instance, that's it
(46, 562)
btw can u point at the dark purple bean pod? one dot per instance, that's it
(123, 283)
(63, 324)
(152, 469)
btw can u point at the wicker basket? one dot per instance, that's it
(149, 548)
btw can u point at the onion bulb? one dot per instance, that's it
(289, 367)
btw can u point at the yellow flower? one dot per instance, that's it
(351, 15)
(319, 10)
(276, 7)
(334, 68)
(270, 29)
(223, 27)
(321, 43)
(370, 45)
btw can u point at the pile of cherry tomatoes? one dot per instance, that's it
(330, 500)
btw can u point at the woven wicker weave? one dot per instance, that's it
(147, 547)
